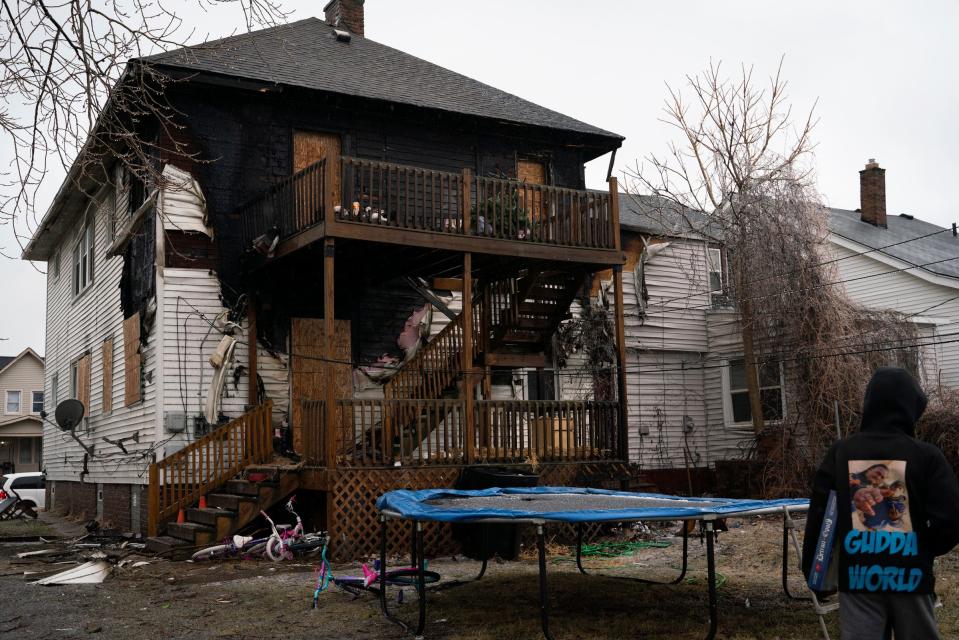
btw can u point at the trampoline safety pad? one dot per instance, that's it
(566, 504)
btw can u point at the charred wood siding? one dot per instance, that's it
(379, 313)
(245, 142)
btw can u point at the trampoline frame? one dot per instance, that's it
(707, 526)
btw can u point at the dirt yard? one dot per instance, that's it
(256, 599)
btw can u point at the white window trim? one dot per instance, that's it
(33, 401)
(54, 390)
(727, 394)
(86, 241)
(6, 402)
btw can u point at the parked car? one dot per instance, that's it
(30, 486)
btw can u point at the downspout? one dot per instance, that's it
(159, 399)
(612, 159)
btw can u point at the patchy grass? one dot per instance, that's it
(23, 527)
(257, 599)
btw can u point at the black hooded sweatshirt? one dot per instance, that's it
(897, 497)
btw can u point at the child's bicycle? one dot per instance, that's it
(283, 544)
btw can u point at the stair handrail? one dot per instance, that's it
(178, 480)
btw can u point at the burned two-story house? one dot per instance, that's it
(360, 252)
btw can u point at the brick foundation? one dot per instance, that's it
(79, 500)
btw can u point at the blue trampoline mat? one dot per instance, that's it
(566, 504)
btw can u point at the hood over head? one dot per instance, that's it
(894, 400)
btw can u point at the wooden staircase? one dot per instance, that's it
(522, 314)
(212, 467)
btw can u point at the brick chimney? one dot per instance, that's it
(872, 194)
(345, 14)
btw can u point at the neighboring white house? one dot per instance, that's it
(688, 405)
(901, 263)
(21, 430)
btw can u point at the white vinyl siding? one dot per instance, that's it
(76, 326)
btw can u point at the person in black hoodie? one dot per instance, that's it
(898, 508)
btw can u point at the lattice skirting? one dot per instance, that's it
(353, 523)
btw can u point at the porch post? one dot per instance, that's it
(253, 394)
(467, 365)
(621, 358)
(329, 372)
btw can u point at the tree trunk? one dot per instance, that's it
(749, 352)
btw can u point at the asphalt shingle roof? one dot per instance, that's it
(5, 360)
(941, 247)
(661, 217)
(307, 54)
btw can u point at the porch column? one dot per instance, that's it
(467, 391)
(328, 310)
(252, 395)
(621, 360)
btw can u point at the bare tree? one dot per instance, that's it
(743, 164)
(69, 90)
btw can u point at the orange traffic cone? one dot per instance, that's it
(180, 517)
(203, 502)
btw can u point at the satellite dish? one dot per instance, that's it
(69, 413)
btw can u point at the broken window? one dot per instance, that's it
(770, 391)
(718, 279)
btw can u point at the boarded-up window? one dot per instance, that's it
(532, 173)
(81, 382)
(107, 376)
(131, 360)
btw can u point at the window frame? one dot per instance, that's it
(33, 402)
(6, 402)
(728, 391)
(54, 388)
(82, 262)
(718, 298)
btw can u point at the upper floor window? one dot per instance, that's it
(54, 389)
(13, 402)
(55, 265)
(718, 279)
(135, 191)
(37, 402)
(83, 258)
(771, 396)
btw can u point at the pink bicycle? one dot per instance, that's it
(286, 542)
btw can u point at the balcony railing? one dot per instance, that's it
(388, 195)
(376, 433)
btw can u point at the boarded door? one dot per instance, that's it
(313, 146)
(532, 172)
(309, 380)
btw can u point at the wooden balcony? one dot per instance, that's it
(425, 432)
(401, 204)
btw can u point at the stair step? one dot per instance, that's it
(208, 516)
(535, 323)
(514, 336)
(192, 532)
(245, 487)
(166, 544)
(545, 294)
(229, 501)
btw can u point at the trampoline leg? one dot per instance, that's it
(711, 579)
(543, 592)
(383, 605)
(485, 551)
(682, 574)
(579, 549)
(420, 577)
(787, 525)
(413, 555)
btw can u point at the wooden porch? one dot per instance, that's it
(406, 205)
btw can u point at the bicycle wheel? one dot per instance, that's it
(307, 545)
(277, 550)
(213, 553)
(408, 576)
(351, 584)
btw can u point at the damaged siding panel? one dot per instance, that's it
(78, 325)
(184, 207)
(194, 319)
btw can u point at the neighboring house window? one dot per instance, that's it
(718, 279)
(37, 404)
(55, 389)
(13, 402)
(83, 259)
(770, 392)
(26, 450)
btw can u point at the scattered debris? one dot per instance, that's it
(93, 572)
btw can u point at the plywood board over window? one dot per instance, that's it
(83, 383)
(107, 351)
(532, 172)
(131, 360)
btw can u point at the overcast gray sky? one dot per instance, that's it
(883, 73)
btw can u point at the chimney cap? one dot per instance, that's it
(872, 164)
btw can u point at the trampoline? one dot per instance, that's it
(540, 506)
